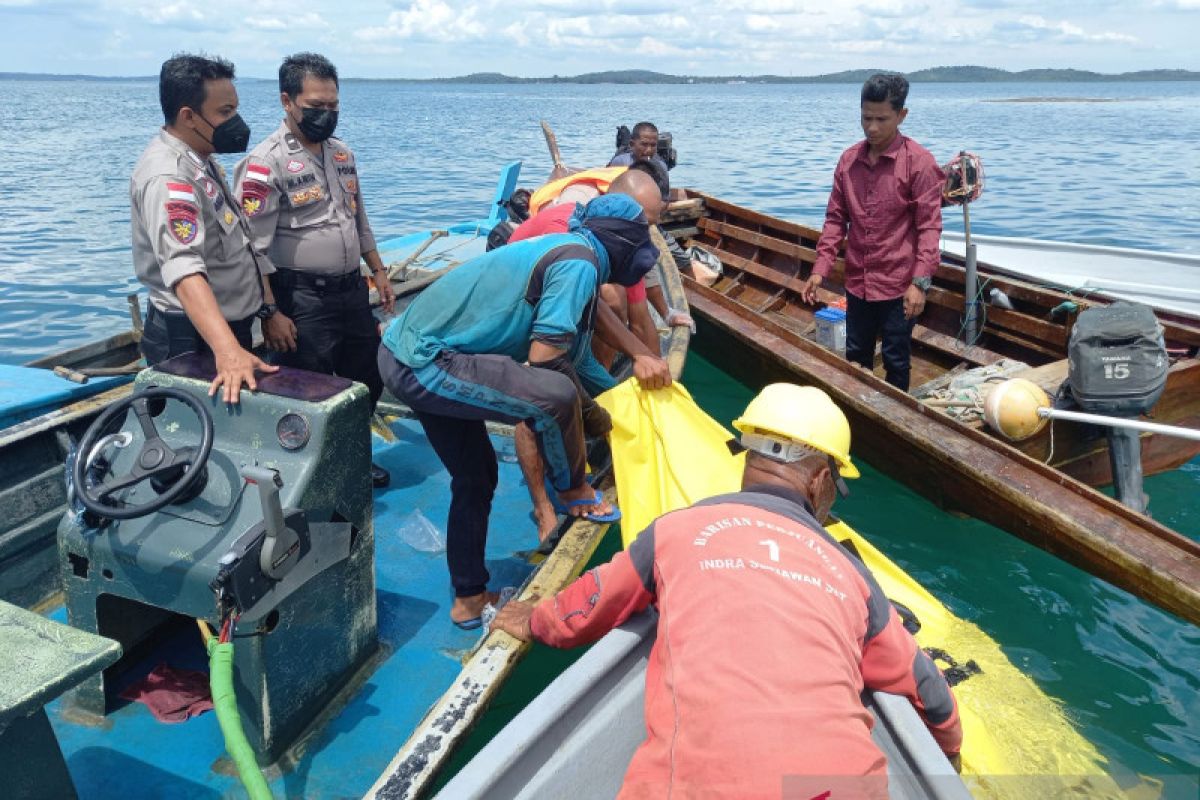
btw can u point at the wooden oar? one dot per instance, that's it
(552, 143)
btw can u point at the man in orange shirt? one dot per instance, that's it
(768, 629)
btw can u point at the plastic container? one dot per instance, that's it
(831, 329)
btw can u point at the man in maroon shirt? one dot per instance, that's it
(887, 202)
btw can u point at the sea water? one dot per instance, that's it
(1106, 163)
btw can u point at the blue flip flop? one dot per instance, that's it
(591, 516)
(473, 624)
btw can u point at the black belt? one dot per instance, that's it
(319, 283)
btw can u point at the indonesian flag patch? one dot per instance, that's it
(258, 172)
(181, 191)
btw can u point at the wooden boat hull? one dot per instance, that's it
(759, 338)
(769, 259)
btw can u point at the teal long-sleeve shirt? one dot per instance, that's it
(481, 307)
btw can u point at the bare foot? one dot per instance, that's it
(467, 608)
(547, 520)
(585, 492)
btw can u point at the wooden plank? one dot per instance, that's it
(1037, 329)
(941, 458)
(976, 356)
(1048, 376)
(682, 211)
(790, 249)
(940, 342)
(716, 205)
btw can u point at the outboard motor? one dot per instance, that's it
(1118, 367)
(257, 517)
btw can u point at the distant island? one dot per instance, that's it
(964, 74)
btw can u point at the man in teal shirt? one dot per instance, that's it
(457, 356)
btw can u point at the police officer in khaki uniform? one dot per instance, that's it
(299, 190)
(190, 244)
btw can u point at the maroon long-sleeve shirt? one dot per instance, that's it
(891, 216)
(767, 633)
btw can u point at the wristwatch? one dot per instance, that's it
(266, 311)
(922, 283)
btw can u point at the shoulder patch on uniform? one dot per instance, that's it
(257, 172)
(341, 156)
(252, 205)
(182, 220)
(181, 191)
(295, 166)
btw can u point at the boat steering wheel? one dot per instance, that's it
(156, 459)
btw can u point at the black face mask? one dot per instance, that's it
(317, 124)
(231, 136)
(631, 254)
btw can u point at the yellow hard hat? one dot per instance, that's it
(801, 414)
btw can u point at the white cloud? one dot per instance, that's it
(543, 37)
(1033, 27)
(429, 21)
(309, 20)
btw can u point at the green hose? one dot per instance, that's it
(220, 676)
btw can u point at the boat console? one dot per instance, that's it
(259, 515)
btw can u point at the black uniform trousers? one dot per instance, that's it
(866, 320)
(166, 334)
(336, 333)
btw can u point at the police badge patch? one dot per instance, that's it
(341, 156)
(182, 221)
(295, 166)
(254, 197)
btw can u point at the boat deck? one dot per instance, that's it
(131, 755)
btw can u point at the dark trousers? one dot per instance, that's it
(866, 320)
(336, 333)
(166, 334)
(452, 399)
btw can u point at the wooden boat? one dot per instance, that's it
(761, 329)
(425, 683)
(1169, 282)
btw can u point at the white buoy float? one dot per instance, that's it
(1018, 409)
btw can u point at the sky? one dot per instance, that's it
(536, 38)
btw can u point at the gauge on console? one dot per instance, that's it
(293, 431)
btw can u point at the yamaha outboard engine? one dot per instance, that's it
(1118, 367)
